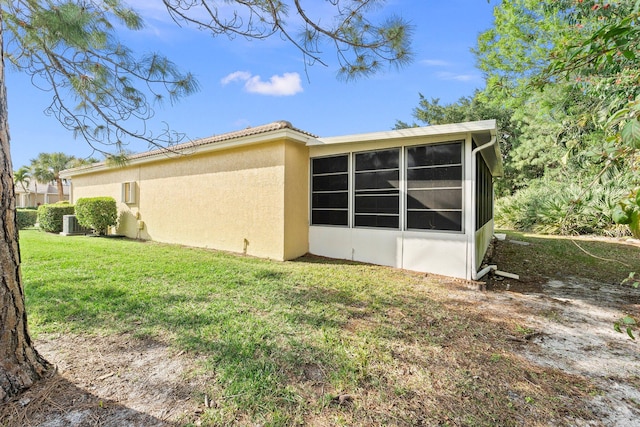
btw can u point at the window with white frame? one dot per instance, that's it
(330, 190)
(431, 183)
(377, 189)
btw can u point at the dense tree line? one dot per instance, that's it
(563, 82)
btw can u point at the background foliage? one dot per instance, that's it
(563, 83)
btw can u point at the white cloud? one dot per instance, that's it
(285, 85)
(449, 75)
(446, 75)
(435, 63)
(234, 77)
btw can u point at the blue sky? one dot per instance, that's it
(249, 83)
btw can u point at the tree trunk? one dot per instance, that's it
(60, 189)
(20, 363)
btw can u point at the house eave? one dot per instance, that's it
(419, 132)
(191, 150)
(481, 131)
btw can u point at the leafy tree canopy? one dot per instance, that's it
(563, 80)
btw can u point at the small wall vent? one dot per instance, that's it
(129, 192)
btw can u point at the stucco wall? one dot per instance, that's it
(296, 214)
(235, 199)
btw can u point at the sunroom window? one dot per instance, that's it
(484, 193)
(330, 190)
(429, 178)
(434, 187)
(377, 189)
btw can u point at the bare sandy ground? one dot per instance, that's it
(570, 327)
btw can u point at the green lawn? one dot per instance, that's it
(283, 339)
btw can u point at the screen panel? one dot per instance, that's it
(377, 189)
(330, 190)
(434, 187)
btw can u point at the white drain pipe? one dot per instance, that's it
(475, 275)
(480, 274)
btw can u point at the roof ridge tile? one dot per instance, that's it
(249, 131)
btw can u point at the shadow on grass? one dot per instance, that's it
(271, 332)
(58, 402)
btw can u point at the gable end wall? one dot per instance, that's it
(232, 200)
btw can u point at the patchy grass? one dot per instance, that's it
(309, 342)
(549, 257)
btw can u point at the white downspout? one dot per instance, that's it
(475, 275)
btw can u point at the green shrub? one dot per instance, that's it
(98, 213)
(26, 218)
(627, 212)
(553, 207)
(50, 216)
(519, 212)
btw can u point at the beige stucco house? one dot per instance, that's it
(419, 198)
(38, 193)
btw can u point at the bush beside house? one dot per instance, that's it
(98, 213)
(26, 218)
(50, 216)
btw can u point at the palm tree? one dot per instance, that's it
(23, 177)
(59, 162)
(51, 164)
(40, 172)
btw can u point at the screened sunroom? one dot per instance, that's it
(419, 198)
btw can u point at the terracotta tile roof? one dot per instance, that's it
(256, 130)
(181, 148)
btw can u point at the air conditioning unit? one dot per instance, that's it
(70, 226)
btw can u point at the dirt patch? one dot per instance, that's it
(566, 323)
(116, 380)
